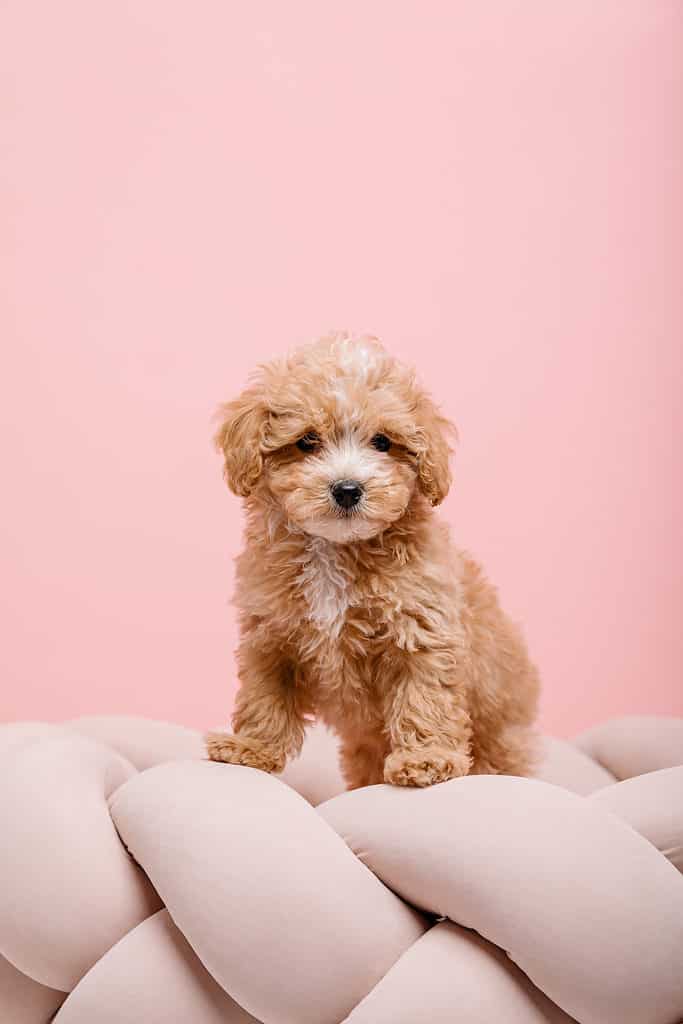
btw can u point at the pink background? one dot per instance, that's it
(493, 188)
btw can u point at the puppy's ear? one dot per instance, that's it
(433, 450)
(240, 438)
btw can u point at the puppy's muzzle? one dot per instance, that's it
(346, 493)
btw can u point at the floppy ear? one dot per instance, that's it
(433, 451)
(240, 437)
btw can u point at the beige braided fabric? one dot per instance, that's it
(142, 883)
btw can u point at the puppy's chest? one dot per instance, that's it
(326, 589)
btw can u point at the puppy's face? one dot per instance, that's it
(339, 436)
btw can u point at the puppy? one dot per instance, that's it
(354, 605)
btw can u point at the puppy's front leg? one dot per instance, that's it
(268, 725)
(428, 725)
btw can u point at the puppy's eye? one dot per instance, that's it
(308, 443)
(381, 442)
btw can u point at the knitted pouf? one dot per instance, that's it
(151, 885)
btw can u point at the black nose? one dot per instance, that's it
(347, 493)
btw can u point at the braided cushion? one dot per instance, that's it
(155, 886)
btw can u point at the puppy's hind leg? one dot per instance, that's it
(361, 757)
(514, 750)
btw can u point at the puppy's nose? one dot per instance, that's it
(347, 493)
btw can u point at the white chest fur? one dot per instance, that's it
(326, 585)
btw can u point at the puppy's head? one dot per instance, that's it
(339, 435)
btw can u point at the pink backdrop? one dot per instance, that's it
(493, 188)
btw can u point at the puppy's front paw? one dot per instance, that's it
(232, 749)
(425, 766)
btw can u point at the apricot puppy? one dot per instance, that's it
(355, 607)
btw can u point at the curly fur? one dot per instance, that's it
(371, 619)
